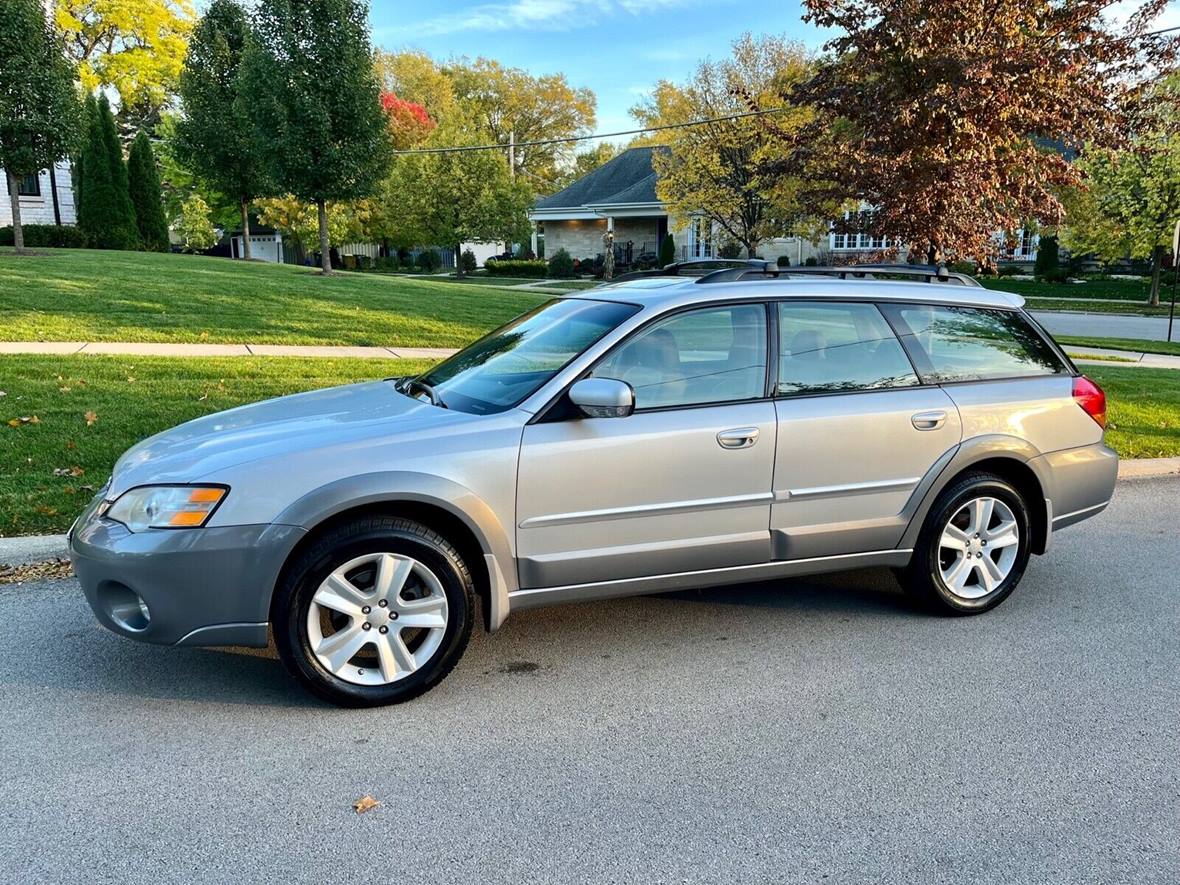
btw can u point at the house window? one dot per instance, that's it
(29, 186)
(857, 241)
(700, 238)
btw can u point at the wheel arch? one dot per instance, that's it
(448, 508)
(1010, 458)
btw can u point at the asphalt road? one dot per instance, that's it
(802, 731)
(1106, 325)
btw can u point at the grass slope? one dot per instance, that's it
(84, 295)
(133, 397)
(129, 398)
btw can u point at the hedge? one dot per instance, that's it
(45, 236)
(516, 267)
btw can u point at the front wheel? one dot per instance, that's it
(376, 612)
(973, 547)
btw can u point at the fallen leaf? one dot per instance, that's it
(68, 471)
(365, 803)
(130, 379)
(91, 417)
(46, 511)
(63, 389)
(24, 419)
(2, 393)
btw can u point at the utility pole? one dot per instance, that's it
(512, 155)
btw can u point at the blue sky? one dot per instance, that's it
(619, 48)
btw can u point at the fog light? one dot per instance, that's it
(124, 606)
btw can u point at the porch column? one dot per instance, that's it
(533, 238)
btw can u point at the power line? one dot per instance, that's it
(573, 138)
(576, 138)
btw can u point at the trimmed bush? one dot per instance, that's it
(467, 262)
(667, 250)
(811, 262)
(730, 249)
(46, 236)
(967, 267)
(561, 265)
(1048, 259)
(516, 267)
(428, 261)
(783, 261)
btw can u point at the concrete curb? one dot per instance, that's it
(38, 548)
(31, 548)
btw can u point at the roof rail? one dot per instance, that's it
(926, 272)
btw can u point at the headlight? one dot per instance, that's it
(166, 507)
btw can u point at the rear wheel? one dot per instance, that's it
(376, 612)
(973, 547)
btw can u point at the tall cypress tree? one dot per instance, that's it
(143, 183)
(105, 215)
(315, 102)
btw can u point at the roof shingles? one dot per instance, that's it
(628, 178)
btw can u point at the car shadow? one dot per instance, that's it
(112, 665)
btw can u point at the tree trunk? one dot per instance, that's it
(1157, 264)
(932, 254)
(751, 250)
(245, 207)
(325, 253)
(18, 234)
(459, 259)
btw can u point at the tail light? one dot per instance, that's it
(1091, 398)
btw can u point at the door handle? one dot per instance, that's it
(738, 438)
(929, 420)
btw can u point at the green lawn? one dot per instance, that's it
(84, 295)
(1127, 290)
(129, 398)
(1140, 345)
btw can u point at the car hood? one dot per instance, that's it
(198, 449)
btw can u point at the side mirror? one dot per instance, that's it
(603, 397)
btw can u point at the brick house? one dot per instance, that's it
(621, 195)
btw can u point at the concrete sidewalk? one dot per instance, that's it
(143, 348)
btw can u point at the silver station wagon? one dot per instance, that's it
(651, 435)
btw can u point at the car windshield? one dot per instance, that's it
(504, 368)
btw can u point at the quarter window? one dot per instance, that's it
(972, 344)
(714, 355)
(829, 348)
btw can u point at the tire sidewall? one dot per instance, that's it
(992, 487)
(292, 626)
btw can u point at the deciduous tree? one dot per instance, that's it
(315, 102)
(135, 47)
(941, 105)
(215, 137)
(39, 113)
(511, 103)
(728, 171)
(143, 185)
(456, 197)
(1129, 203)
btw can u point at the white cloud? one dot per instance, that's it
(1119, 13)
(539, 15)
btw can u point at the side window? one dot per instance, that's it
(827, 348)
(713, 355)
(973, 344)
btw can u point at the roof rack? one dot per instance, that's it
(694, 267)
(926, 272)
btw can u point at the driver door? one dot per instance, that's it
(682, 484)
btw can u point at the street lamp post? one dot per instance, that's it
(1175, 276)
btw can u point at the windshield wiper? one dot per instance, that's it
(407, 385)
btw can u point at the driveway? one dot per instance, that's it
(805, 730)
(1106, 325)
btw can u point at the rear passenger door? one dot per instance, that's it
(857, 431)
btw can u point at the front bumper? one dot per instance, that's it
(208, 586)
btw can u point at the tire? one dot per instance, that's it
(404, 580)
(958, 580)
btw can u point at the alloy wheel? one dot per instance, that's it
(377, 618)
(978, 547)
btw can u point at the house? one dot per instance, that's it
(45, 198)
(621, 196)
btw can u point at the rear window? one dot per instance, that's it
(971, 344)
